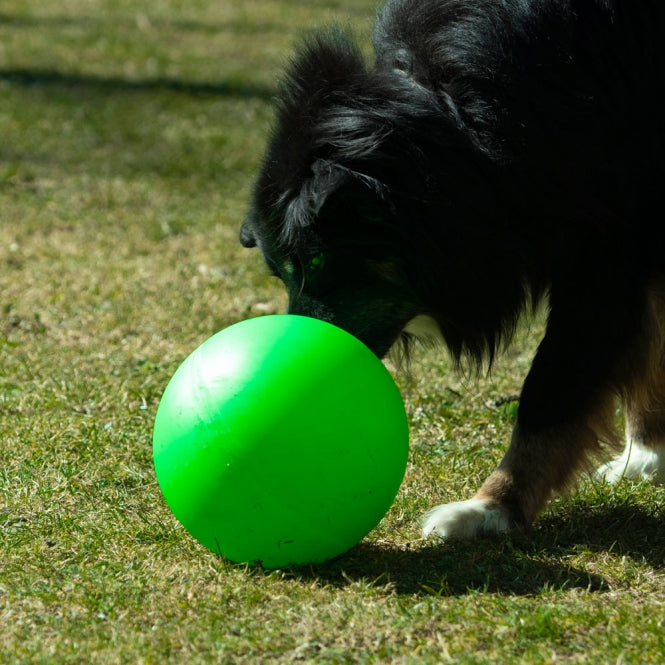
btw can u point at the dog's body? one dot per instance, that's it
(498, 152)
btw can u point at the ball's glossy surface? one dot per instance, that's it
(280, 440)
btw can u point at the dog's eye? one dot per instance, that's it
(315, 263)
(316, 275)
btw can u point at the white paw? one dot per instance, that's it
(637, 462)
(464, 519)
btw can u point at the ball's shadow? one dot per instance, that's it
(518, 564)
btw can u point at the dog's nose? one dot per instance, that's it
(247, 238)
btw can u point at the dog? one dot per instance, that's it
(494, 155)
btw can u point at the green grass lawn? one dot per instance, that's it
(130, 133)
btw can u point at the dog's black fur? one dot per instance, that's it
(497, 152)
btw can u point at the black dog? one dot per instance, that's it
(498, 152)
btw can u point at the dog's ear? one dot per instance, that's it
(332, 192)
(327, 64)
(326, 179)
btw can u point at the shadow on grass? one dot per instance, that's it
(519, 564)
(50, 78)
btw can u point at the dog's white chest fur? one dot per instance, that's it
(424, 328)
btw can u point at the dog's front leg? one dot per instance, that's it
(566, 408)
(535, 466)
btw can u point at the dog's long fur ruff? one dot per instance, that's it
(496, 153)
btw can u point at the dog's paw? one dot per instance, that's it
(637, 462)
(465, 519)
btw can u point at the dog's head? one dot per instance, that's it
(323, 212)
(374, 205)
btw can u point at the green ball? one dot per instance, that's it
(280, 440)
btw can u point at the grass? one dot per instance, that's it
(131, 133)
